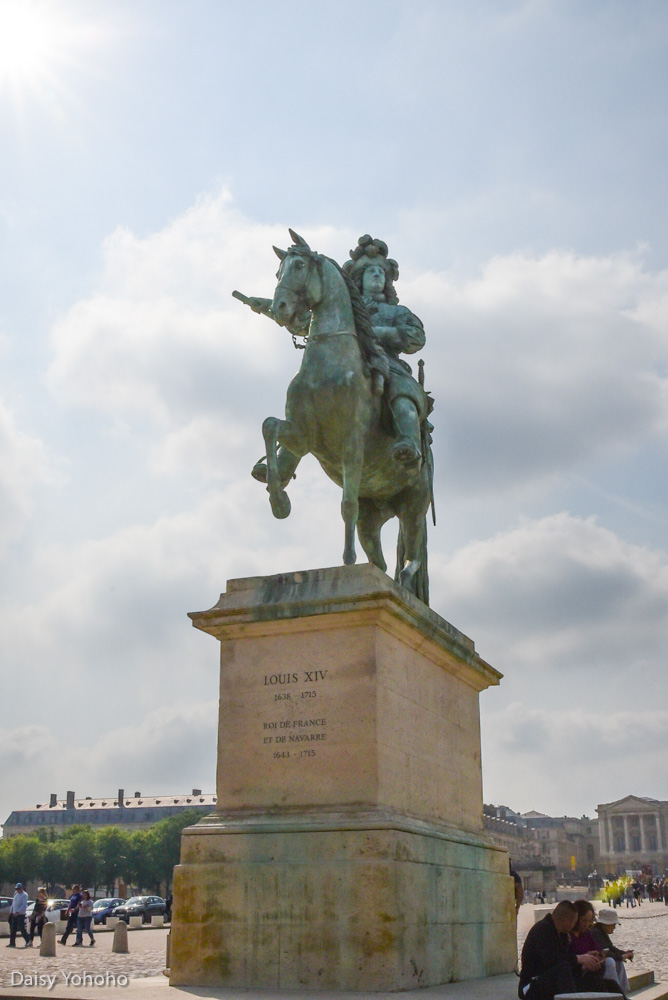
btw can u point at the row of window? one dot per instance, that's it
(98, 817)
(618, 821)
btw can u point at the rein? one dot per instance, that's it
(313, 258)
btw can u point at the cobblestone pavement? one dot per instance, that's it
(146, 958)
(643, 928)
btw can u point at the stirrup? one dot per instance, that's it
(259, 471)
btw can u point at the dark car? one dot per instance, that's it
(141, 906)
(103, 908)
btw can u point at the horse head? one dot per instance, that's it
(299, 285)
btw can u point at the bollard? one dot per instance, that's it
(47, 947)
(120, 945)
(136, 922)
(168, 947)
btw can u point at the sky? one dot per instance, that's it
(512, 154)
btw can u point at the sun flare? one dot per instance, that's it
(28, 39)
(41, 42)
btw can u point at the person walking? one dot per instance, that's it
(17, 916)
(72, 911)
(84, 920)
(38, 918)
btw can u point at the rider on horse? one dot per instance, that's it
(398, 331)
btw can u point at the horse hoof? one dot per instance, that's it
(280, 504)
(405, 452)
(259, 472)
(407, 578)
(349, 558)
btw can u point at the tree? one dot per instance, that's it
(81, 861)
(51, 864)
(113, 847)
(165, 845)
(139, 867)
(21, 857)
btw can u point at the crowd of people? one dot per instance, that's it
(634, 891)
(79, 916)
(571, 951)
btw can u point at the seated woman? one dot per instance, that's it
(588, 954)
(606, 921)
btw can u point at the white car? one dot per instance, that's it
(54, 908)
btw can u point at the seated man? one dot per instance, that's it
(549, 966)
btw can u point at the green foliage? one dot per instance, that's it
(21, 858)
(113, 846)
(143, 859)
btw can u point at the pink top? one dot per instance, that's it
(582, 943)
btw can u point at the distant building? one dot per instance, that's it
(633, 835)
(566, 846)
(136, 813)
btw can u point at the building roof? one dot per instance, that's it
(136, 802)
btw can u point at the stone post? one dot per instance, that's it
(47, 947)
(120, 943)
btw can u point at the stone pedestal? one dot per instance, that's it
(346, 851)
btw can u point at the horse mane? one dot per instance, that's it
(373, 355)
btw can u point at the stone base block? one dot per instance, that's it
(367, 902)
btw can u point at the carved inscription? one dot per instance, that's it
(292, 718)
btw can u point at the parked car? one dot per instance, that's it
(141, 906)
(104, 908)
(56, 909)
(29, 908)
(5, 909)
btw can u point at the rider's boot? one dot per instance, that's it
(287, 463)
(407, 426)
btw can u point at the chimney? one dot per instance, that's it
(137, 795)
(69, 800)
(197, 791)
(121, 796)
(53, 800)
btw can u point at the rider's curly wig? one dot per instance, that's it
(372, 251)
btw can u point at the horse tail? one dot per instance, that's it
(420, 579)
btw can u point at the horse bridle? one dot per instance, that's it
(313, 258)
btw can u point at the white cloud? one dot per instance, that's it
(24, 467)
(537, 365)
(166, 750)
(571, 760)
(540, 365)
(559, 593)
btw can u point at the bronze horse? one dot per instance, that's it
(334, 412)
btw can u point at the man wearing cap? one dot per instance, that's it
(606, 921)
(17, 916)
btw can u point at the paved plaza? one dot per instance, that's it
(644, 928)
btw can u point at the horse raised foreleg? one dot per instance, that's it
(278, 498)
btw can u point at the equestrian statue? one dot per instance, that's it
(354, 403)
